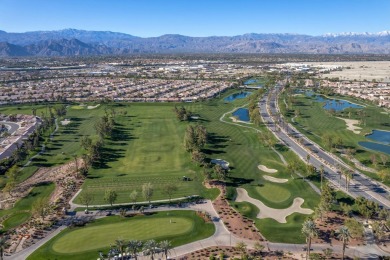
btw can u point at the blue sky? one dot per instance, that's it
(197, 17)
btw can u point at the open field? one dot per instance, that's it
(361, 70)
(180, 227)
(314, 122)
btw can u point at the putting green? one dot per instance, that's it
(78, 107)
(100, 236)
(274, 193)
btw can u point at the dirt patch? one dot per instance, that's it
(351, 125)
(230, 252)
(279, 215)
(237, 224)
(273, 179)
(328, 226)
(266, 169)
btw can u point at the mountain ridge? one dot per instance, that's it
(74, 42)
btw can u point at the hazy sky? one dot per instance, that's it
(197, 17)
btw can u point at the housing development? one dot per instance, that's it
(194, 130)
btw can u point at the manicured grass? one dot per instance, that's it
(289, 232)
(180, 227)
(314, 122)
(273, 192)
(241, 147)
(21, 212)
(246, 209)
(147, 146)
(16, 219)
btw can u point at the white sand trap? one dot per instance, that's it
(195, 117)
(273, 179)
(224, 164)
(65, 122)
(351, 125)
(266, 169)
(92, 107)
(279, 215)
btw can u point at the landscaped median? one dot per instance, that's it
(179, 227)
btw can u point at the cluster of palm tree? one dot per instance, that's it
(124, 250)
(310, 231)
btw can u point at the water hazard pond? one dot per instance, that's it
(336, 104)
(382, 139)
(236, 96)
(242, 114)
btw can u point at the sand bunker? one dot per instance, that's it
(266, 169)
(224, 164)
(351, 125)
(92, 107)
(273, 179)
(279, 215)
(65, 122)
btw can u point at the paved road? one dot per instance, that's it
(359, 186)
(8, 152)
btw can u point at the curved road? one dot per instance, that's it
(359, 186)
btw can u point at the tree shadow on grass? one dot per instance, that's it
(108, 155)
(237, 181)
(120, 133)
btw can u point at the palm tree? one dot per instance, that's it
(150, 248)
(242, 247)
(348, 176)
(309, 229)
(344, 235)
(322, 171)
(166, 247)
(134, 246)
(121, 244)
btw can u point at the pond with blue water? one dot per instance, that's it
(380, 136)
(237, 96)
(330, 103)
(376, 147)
(242, 114)
(382, 139)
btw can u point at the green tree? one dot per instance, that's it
(134, 197)
(309, 230)
(242, 248)
(41, 208)
(86, 198)
(169, 190)
(343, 235)
(134, 246)
(355, 228)
(147, 191)
(121, 245)
(166, 247)
(110, 196)
(150, 248)
(322, 171)
(384, 174)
